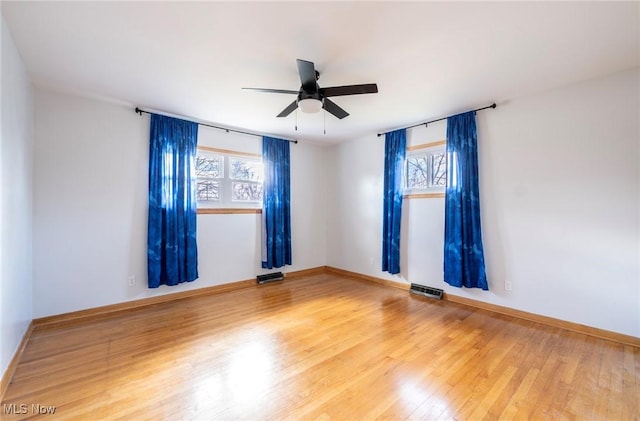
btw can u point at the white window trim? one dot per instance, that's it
(226, 201)
(431, 148)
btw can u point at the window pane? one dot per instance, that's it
(438, 170)
(417, 172)
(208, 190)
(246, 192)
(242, 169)
(208, 166)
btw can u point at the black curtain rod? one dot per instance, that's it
(439, 119)
(140, 111)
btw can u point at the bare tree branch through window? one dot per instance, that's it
(225, 179)
(427, 170)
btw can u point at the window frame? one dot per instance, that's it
(226, 203)
(233, 180)
(217, 179)
(427, 150)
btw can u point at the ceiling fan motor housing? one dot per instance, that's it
(304, 95)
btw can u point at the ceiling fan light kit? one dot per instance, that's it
(312, 98)
(310, 105)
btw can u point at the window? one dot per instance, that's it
(228, 179)
(426, 168)
(246, 176)
(209, 171)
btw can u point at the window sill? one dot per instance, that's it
(424, 196)
(227, 211)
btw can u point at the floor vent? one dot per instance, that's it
(270, 277)
(426, 291)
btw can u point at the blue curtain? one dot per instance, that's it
(172, 253)
(276, 213)
(463, 251)
(394, 153)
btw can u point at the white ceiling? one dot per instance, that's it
(429, 59)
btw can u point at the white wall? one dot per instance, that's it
(90, 208)
(560, 198)
(16, 203)
(355, 227)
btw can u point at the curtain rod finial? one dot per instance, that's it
(493, 105)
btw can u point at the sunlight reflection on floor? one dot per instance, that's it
(250, 371)
(416, 396)
(244, 382)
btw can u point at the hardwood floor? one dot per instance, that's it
(321, 348)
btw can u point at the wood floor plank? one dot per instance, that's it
(630, 382)
(320, 348)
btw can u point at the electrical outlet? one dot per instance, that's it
(132, 280)
(508, 286)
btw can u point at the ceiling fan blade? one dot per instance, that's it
(277, 91)
(289, 109)
(368, 88)
(334, 109)
(307, 72)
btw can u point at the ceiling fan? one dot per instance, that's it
(311, 97)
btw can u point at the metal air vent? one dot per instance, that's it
(270, 277)
(426, 291)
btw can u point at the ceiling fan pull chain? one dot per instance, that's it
(296, 120)
(324, 117)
